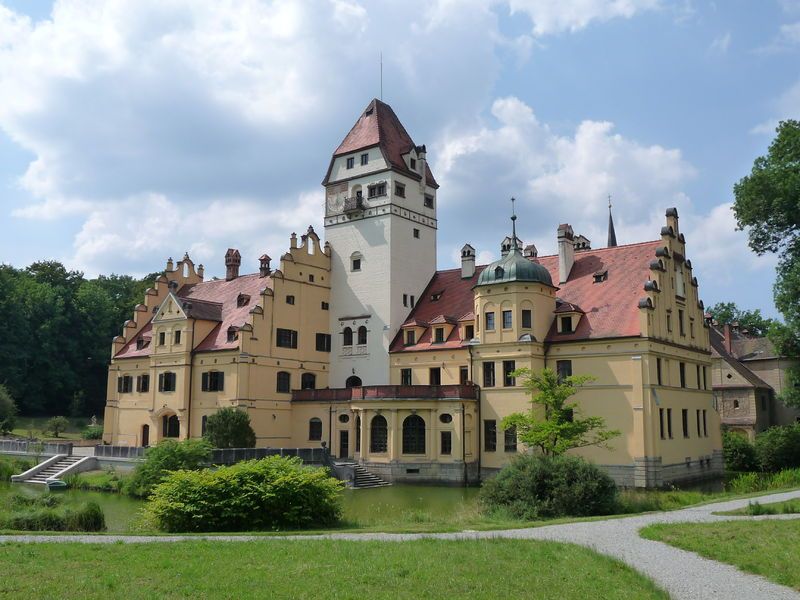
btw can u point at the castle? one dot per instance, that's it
(361, 344)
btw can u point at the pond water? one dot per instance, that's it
(397, 504)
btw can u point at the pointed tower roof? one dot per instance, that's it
(379, 126)
(612, 235)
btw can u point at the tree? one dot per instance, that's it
(230, 428)
(767, 203)
(561, 427)
(8, 411)
(727, 313)
(56, 425)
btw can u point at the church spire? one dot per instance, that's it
(612, 236)
(514, 245)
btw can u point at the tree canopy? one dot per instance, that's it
(749, 320)
(230, 428)
(767, 204)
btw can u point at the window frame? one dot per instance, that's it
(351, 162)
(286, 338)
(508, 319)
(527, 318)
(488, 320)
(490, 435)
(406, 376)
(323, 342)
(489, 377)
(283, 382)
(509, 366)
(315, 429)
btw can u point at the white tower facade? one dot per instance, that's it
(380, 220)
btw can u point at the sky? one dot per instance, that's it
(135, 130)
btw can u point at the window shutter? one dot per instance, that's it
(220, 381)
(119, 385)
(204, 385)
(161, 387)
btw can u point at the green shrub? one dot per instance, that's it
(21, 501)
(535, 487)
(92, 432)
(168, 455)
(12, 466)
(8, 411)
(99, 481)
(738, 452)
(87, 517)
(778, 448)
(230, 428)
(56, 425)
(746, 483)
(257, 495)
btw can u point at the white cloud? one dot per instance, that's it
(786, 106)
(558, 16)
(787, 38)
(720, 44)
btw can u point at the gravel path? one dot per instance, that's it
(685, 575)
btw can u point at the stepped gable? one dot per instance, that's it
(215, 300)
(378, 125)
(610, 307)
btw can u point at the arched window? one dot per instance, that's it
(315, 429)
(353, 381)
(347, 337)
(414, 435)
(284, 382)
(378, 434)
(498, 273)
(362, 335)
(308, 381)
(145, 435)
(171, 426)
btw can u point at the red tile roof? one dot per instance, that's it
(611, 307)
(379, 126)
(214, 300)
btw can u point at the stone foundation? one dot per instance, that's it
(425, 472)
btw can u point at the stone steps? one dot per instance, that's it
(42, 476)
(364, 479)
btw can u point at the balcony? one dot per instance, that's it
(354, 204)
(388, 392)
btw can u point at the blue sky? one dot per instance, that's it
(132, 130)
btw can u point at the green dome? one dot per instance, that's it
(514, 267)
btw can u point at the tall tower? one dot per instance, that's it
(380, 220)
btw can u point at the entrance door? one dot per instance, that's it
(344, 444)
(145, 435)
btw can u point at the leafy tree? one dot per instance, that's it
(230, 428)
(8, 411)
(56, 425)
(739, 454)
(750, 320)
(561, 427)
(767, 203)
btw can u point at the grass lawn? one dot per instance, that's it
(767, 548)
(34, 426)
(788, 507)
(318, 569)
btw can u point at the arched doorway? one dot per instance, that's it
(145, 435)
(353, 381)
(414, 435)
(171, 427)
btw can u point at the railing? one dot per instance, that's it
(34, 447)
(119, 451)
(357, 350)
(353, 204)
(379, 392)
(229, 456)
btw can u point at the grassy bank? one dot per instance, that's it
(767, 548)
(27, 427)
(320, 569)
(13, 466)
(755, 508)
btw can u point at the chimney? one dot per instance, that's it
(201, 271)
(467, 261)
(726, 334)
(263, 269)
(233, 261)
(170, 265)
(566, 251)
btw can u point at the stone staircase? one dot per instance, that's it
(365, 479)
(52, 469)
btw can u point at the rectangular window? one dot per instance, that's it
(698, 423)
(438, 335)
(162, 338)
(680, 322)
(463, 375)
(364, 159)
(435, 375)
(658, 371)
(166, 382)
(469, 332)
(566, 324)
(507, 319)
(405, 376)
(685, 421)
(405, 299)
(510, 439)
(124, 384)
(323, 342)
(526, 318)
(411, 337)
(705, 424)
(489, 435)
(311, 278)
(447, 442)
(705, 378)
(356, 264)
(325, 306)
(509, 366)
(286, 338)
(489, 316)
(177, 337)
(698, 376)
(416, 233)
(661, 422)
(682, 372)
(290, 299)
(411, 301)
(351, 162)
(669, 323)
(213, 381)
(412, 163)
(143, 383)
(428, 201)
(399, 189)
(691, 328)
(488, 374)
(379, 189)
(563, 369)
(669, 423)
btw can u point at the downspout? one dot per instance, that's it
(191, 384)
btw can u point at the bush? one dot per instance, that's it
(12, 466)
(92, 432)
(100, 481)
(738, 452)
(8, 411)
(56, 425)
(535, 487)
(87, 517)
(778, 448)
(230, 428)
(168, 455)
(257, 495)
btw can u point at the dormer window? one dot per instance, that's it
(438, 335)
(435, 297)
(411, 337)
(140, 343)
(498, 273)
(566, 325)
(351, 162)
(242, 300)
(601, 276)
(412, 163)
(233, 334)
